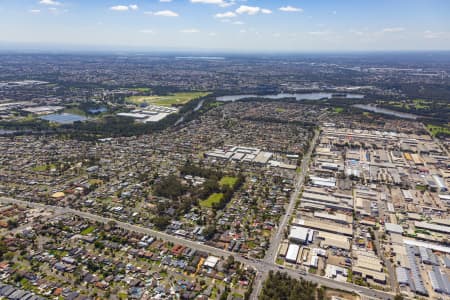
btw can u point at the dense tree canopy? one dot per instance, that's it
(280, 286)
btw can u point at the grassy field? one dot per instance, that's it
(338, 109)
(88, 230)
(438, 129)
(42, 168)
(421, 104)
(215, 104)
(228, 180)
(214, 198)
(142, 89)
(169, 100)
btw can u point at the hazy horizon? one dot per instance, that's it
(226, 25)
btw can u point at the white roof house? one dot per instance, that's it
(211, 261)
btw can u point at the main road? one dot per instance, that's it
(262, 267)
(271, 253)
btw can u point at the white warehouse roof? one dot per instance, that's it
(292, 252)
(298, 233)
(391, 227)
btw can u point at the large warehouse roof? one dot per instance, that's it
(298, 233)
(292, 252)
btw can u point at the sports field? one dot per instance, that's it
(213, 198)
(228, 180)
(168, 100)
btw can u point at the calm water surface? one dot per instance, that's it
(64, 118)
(386, 111)
(304, 96)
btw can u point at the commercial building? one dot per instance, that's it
(333, 240)
(323, 182)
(283, 249)
(403, 277)
(299, 234)
(292, 253)
(393, 228)
(439, 281)
(314, 199)
(325, 226)
(417, 284)
(336, 217)
(152, 113)
(440, 183)
(433, 227)
(369, 274)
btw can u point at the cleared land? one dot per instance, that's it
(213, 198)
(168, 100)
(228, 180)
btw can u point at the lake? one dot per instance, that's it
(386, 111)
(302, 96)
(64, 118)
(99, 110)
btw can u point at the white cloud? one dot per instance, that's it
(57, 11)
(163, 13)
(49, 2)
(221, 3)
(124, 7)
(290, 9)
(252, 10)
(165, 1)
(238, 23)
(147, 31)
(228, 14)
(212, 34)
(119, 8)
(393, 29)
(356, 32)
(428, 34)
(319, 33)
(190, 30)
(208, 1)
(34, 11)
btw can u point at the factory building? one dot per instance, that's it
(292, 253)
(299, 234)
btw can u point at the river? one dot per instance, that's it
(300, 96)
(385, 111)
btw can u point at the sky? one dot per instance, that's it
(226, 25)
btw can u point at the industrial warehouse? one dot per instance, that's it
(374, 212)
